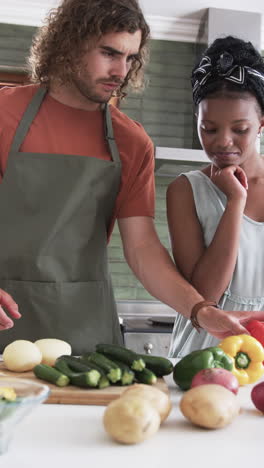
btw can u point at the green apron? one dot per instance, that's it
(54, 213)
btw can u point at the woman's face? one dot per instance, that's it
(228, 128)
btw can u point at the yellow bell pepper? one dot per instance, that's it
(247, 354)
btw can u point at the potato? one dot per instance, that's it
(211, 406)
(131, 420)
(159, 399)
(21, 356)
(51, 349)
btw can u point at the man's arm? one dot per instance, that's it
(8, 304)
(153, 266)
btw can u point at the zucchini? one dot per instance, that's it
(159, 365)
(88, 378)
(76, 365)
(123, 354)
(128, 375)
(85, 360)
(113, 372)
(104, 381)
(146, 376)
(50, 374)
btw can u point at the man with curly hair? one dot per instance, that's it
(71, 164)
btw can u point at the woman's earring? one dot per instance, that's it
(260, 132)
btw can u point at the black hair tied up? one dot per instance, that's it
(229, 64)
(224, 63)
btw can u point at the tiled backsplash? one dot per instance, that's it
(165, 107)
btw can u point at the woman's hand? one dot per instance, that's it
(223, 323)
(8, 304)
(231, 180)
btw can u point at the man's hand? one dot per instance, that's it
(223, 323)
(7, 304)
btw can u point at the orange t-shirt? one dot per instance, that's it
(61, 129)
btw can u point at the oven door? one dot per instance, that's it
(148, 343)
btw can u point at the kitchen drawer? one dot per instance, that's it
(148, 343)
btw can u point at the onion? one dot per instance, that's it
(216, 376)
(257, 396)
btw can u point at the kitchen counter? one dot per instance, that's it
(144, 309)
(67, 436)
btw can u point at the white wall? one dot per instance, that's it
(31, 12)
(192, 7)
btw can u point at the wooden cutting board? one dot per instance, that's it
(72, 395)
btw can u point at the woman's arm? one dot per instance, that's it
(208, 269)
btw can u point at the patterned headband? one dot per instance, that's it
(224, 69)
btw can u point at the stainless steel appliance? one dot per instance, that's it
(146, 326)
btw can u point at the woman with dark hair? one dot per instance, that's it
(216, 215)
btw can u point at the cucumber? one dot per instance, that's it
(125, 355)
(50, 374)
(86, 378)
(146, 376)
(113, 372)
(159, 365)
(128, 375)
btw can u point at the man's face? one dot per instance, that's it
(105, 67)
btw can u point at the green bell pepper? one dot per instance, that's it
(189, 365)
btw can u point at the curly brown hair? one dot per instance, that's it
(59, 45)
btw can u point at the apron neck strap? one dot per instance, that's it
(27, 119)
(109, 134)
(32, 110)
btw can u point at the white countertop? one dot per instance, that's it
(67, 436)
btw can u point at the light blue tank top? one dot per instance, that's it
(246, 288)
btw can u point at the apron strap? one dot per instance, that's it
(27, 119)
(109, 135)
(31, 112)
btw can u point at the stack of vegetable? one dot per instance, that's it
(137, 414)
(107, 365)
(24, 355)
(51, 360)
(212, 377)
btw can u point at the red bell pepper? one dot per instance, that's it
(256, 329)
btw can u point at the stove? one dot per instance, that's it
(148, 335)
